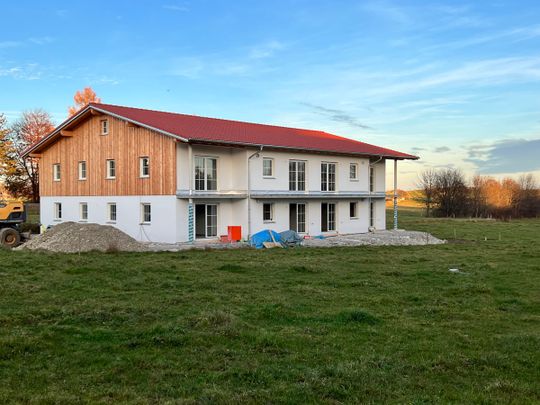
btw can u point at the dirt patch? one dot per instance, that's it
(72, 237)
(377, 238)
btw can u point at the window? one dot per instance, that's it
(146, 213)
(56, 172)
(297, 175)
(83, 211)
(57, 211)
(144, 167)
(205, 173)
(111, 169)
(371, 214)
(328, 217)
(328, 176)
(268, 212)
(353, 171)
(111, 212)
(206, 220)
(268, 167)
(371, 179)
(104, 127)
(353, 210)
(82, 170)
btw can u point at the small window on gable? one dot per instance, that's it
(144, 167)
(56, 172)
(268, 167)
(111, 169)
(353, 171)
(104, 124)
(82, 170)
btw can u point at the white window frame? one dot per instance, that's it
(325, 177)
(271, 219)
(82, 164)
(57, 175)
(110, 218)
(108, 168)
(104, 127)
(83, 211)
(271, 160)
(355, 177)
(206, 178)
(305, 222)
(142, 166)
(355, 204)
(143, 214)
(57, 211)
(294, 184)
(328, 215)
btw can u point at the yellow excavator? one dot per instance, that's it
(12, 215)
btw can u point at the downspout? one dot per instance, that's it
(395, 196)
(191, 211)
(369, 185)
(256, 154)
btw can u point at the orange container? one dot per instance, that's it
(234, 233)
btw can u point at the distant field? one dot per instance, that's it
(366, 324)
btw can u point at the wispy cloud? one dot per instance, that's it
(30, 71)
(442, 149)
(388, 11)
(30, 41)
(10, 44)
(265, 50)
(506, 156)
(176, 7)
(337, 115)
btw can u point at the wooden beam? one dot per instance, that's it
(131, 125)
(35, 155)
(94, 112)
(66, 133)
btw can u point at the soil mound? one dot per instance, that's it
(72, 237)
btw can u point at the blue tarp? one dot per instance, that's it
(264, 236)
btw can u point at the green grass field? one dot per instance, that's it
(339, 325)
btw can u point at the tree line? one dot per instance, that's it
(446, 193)
(19, 177)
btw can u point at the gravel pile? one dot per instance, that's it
(72, 237)
(377, 238)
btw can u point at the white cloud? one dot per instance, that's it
(265, 50)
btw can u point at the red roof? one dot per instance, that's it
(193, 128)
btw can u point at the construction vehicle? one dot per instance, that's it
(12, 215)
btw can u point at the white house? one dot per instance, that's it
(168, 177)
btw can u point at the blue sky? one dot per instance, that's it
(457, 83)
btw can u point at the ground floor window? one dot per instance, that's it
(57, 211)
(297, 217)
(328, 217)
(371, 214)
(83, 210)
(268, 212)
(146, 213)
(111, 212)
(353, 210)
(206, 220)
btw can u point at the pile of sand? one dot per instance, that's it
(72, 237)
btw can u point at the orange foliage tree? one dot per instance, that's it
(82, 98)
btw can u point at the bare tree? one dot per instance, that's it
(426, 183)
(451, 193)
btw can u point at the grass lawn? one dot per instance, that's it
(365, 324)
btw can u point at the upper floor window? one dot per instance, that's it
(83, 211)
(144, 167)
(371, 179)
(104, 124)
(297, 175)
(353, 171)
(328, 176)
(146, 213)
(111, 212)
(268, 167)
(56, 172)
(82, 170)
(111, 169)
(205, 173)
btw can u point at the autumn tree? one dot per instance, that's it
(7, 163)
(82, 98)
(21, 175)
